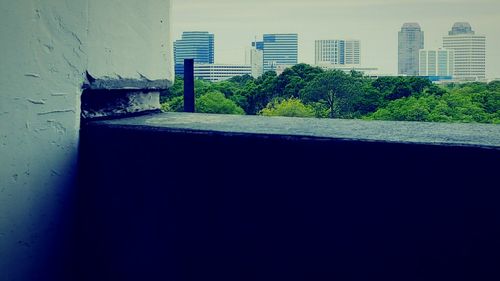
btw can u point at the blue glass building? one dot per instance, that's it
(259, 45)
(280, 49)
(197, 45)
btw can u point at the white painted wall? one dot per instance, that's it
(139, 48)
(46, 47)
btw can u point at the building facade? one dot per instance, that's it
(197, 45)
(410, 42)
(469, 50)
(437, 64)
(220, 72)
(337, 52)
(280, 49)
(347, 68)
(352, 52)
(254, 56)
(257, 62)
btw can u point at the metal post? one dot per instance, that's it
(189, 99)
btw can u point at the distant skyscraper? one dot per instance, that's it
(197, 45)
(436, 63)
(280, 49)
(470, 52)
(411, 41)
(337, 52)
(254, 56)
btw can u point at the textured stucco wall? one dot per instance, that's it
(140, 49)
(46, 48)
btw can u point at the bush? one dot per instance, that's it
(289, 108)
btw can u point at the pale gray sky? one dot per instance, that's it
(376, 23)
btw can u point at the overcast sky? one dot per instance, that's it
(376, 23)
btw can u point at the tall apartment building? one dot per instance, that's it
(220, 72)
(410, 42)
(337, 52)
(280, 49)
(197, 45)
(470, 52)
(436, 64)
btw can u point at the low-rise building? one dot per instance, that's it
(368, 71)
(220, 72)
(437, 65)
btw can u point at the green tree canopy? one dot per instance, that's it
(289, 108)
(335, 90)
(216, 102)
(345, 95)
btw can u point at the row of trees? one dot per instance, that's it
(306, 91)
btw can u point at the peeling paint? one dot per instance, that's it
(57, 111)
(55, 172)
(36, 101)
(58, 94)
(143, 77)
(57, 126)
(34, 75)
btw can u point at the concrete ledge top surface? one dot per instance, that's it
(450, 134)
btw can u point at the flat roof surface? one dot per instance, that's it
(451, 134)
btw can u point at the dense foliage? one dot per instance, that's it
(289, 108)
(306, 91)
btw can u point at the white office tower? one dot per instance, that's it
(255, 58)
(436, 63)
(337, 52)
(470, 52)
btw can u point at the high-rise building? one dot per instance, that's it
(280, 49)
(254, 56)
(436, 64)
(256, 62)
(411, 41)
(220, 72)
(197, 45)
(470, 52)
(337, 52)
(352, 52)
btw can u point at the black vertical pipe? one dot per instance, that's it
(189, 99)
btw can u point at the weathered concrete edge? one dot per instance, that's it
(125, 84)
(279, 136)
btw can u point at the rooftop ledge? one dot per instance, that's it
(446, 134)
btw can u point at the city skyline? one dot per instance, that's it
(375, 23)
